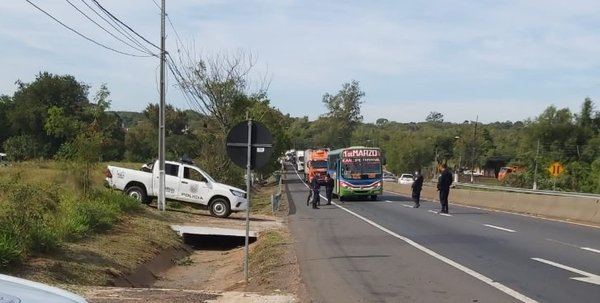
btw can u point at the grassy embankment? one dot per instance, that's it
(50, 232)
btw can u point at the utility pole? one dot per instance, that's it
(536, 165)
(161, 114)
(474, 142)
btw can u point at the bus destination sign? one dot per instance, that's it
(361, 153)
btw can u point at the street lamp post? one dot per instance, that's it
(457, 170)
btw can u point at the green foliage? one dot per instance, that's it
(5, 126)
(31, 102)
(129, 119)
(593, 181)
(435, 117)
(28, 212)
(343, 115)
(38, 218)
(11, 248)
(23, 147)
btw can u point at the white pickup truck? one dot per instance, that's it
(183, 182)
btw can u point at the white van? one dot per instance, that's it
(13, 289)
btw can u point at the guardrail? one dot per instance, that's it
(276, 198)
(527, 191)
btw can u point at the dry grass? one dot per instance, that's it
(97, 260)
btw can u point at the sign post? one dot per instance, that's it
(555, 169)
(249, 146)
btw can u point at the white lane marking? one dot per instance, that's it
(563, 243)
(575, 246)
(439, 213)
(500, 228)
(589, 277)
(480, 277)
(405, 205)
(590, 249)
(510, 213)
(388, 201)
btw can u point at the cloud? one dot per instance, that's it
(461, 57)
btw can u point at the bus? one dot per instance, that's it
(356, 171)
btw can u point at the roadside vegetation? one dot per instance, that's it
(51, 231)
(39, 213)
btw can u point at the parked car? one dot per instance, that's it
(406, 179)
(389, 177)
(13, 289)
(184, 182)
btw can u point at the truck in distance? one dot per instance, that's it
(317, 166)
(300, 160)
(184, 182)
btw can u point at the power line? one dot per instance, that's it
(117, 27)
(82, 35)
(107, 31)
(121, 22)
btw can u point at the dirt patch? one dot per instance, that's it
(145, 275)
(272, 268)
(127, 255)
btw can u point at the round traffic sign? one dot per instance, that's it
(261, 143)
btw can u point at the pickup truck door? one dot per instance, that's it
(193, 186)
(171, 180)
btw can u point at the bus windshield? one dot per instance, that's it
(361, 167)
(319, 164)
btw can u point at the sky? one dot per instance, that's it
(491, 60)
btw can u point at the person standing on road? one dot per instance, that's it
(310, 194)
(328, 188)
(416, 188)
(443, 186)
(316, 187)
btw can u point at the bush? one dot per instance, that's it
(10, 248)
(98, 213)
(37, 219)
(26, 217)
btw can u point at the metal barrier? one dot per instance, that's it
(526, 191)
(276, 198)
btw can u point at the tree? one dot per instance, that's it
(141, 140)
(5, 126)
(32, 101)
(343, 112)
(435, 117)
(382, 122)
(218, 86)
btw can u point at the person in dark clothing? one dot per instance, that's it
(443, 186)
(329, 188)
(310, 194)
(416, 188)
(316, 187)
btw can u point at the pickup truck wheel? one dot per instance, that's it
(220, 208)
(138, 193)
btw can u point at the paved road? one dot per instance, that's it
(385, 251)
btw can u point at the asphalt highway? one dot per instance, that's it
(387, 251)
